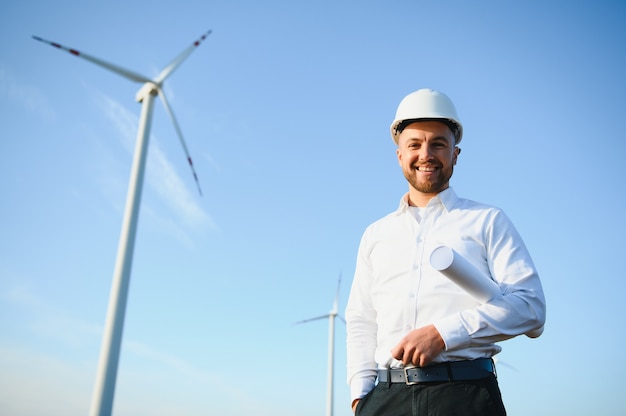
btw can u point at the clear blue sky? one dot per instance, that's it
(286, 109)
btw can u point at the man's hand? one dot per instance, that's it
(419, 347)
(354, 403)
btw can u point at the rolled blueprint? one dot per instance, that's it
(456, 268)
(460, 271)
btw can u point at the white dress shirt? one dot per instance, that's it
(395, 289)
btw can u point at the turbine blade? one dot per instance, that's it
(312, 319)
(336, 302)
(167, 71)
(180, 137)
(133, 76)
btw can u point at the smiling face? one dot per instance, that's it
(426, 153)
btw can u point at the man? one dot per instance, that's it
(418, 344)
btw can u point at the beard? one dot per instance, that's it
(431, 186)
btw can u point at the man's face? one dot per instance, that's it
(427, 153)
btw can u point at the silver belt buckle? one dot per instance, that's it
(406, 376)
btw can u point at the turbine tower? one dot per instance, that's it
(331, 347)
(104, 390)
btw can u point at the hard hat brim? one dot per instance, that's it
(399, 125)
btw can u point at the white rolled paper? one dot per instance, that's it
(456, 268)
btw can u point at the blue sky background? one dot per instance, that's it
(286, 109)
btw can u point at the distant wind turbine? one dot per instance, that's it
(331, 347)
(104, 391)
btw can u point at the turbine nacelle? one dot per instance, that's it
(148, 88)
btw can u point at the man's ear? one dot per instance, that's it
(457, 152)
(399, 156)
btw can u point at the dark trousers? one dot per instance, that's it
(458, 398)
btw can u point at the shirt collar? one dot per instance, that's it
(446, 198)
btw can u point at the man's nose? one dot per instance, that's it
(425, 153)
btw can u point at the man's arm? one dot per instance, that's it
(520, 309)
(361, 329)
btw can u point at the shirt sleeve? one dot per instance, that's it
(361, 328)
(520, 310)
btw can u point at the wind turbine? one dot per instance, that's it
(331, 347)
(102, 400)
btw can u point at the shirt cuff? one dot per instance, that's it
(453, 332)
(359, 387)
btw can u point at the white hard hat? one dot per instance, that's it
(426, 104)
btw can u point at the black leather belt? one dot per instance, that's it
(441, 372)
